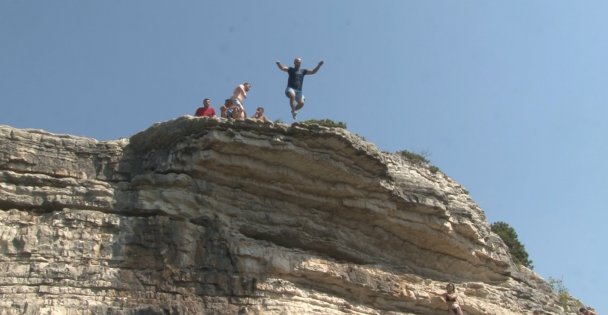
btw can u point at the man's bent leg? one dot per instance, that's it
(300, 100)
(292, 101)
(289, 92)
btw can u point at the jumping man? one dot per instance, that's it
(294, 83)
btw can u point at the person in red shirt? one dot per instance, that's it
(205, 111)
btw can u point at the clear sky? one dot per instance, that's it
(507, 97)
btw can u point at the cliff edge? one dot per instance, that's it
(209, 216)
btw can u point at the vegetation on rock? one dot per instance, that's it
(516, 248)
(415, 158)
(326, 123)
(418, 158)
(562, 292)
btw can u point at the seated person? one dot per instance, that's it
(229, 111)
(259, 115)
(206, 111)
(226, 109)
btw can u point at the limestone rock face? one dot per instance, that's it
(208, 216)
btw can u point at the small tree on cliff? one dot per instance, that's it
(516, 248)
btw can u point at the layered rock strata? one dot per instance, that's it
(209, 216)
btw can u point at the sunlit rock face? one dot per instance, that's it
(209, 216)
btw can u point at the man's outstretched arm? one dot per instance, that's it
(313, 71)
(281, 67)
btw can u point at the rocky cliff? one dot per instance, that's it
(208, 216)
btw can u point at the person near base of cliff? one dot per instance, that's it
(259, 115)
(206, 110)
(451, 298)
(238, 98)
(295, 82)
(586, 311)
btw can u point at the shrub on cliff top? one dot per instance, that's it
(562, 292)
(326, 123)
(418, 159)
(516, 248)
(415, 158)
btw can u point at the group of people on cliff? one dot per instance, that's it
(234, 108)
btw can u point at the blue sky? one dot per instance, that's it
(508, 98)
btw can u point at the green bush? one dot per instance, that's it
(414, 157)
(516, 248)
(560, 289)
(418, 159)
(325, 123)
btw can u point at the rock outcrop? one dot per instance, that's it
(209, 216)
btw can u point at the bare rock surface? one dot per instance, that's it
(209, 216)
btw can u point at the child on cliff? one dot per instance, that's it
(229, 111)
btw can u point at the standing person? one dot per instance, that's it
(206, 111)
(295, 82)
(238, 98)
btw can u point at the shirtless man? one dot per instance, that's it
(238, 98)
(259, 115)
(295, 82)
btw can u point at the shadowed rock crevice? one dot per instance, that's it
(324, 248)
